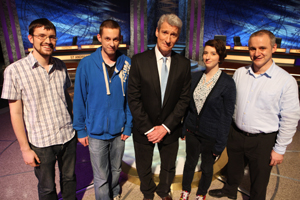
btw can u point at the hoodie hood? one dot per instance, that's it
(97, 57)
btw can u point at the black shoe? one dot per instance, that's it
(219, 193)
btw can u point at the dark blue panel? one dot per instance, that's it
(156, 8)
(231, 18)
(242, 18)
(80, 18)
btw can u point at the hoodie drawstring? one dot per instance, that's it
(105, 78)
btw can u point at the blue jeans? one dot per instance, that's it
(106, 158)
(65, 154)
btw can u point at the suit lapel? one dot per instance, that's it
(152, 63)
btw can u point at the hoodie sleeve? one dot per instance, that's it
(128, 125)
(79, 100)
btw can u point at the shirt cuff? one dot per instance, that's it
(279, 149)
(149, 131)
(166, 128)
(82, 133)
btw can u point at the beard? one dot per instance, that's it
(42, 52)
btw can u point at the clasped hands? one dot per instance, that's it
(157, 134)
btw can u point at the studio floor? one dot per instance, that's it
(18, 182)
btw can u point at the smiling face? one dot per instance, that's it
(45, 47)
(210, 57)
(260, 50)
(110, 39)
(167, 36)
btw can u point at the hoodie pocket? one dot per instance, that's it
(96, 122)
(117, 121)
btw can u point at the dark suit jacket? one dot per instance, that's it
(214, 119)
(144, 95)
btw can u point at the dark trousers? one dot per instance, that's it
(252, 150)
(65, 154)
(144, 156)
(194, 146)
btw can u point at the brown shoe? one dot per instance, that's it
(167, 198)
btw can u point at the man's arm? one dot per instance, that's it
(128, 125)
(16, 113)
(79, 105)
(135, 98)
(289, 117)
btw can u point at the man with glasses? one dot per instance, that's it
(36, 88)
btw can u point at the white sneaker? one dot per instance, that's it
(184, 195)
(200, 197)
(117, 197)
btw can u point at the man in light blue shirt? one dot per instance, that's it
(265, 119)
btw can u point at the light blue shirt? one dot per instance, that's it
(266, 103)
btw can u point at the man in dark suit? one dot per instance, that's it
(158, 95)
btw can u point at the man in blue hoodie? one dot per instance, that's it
(101, 114)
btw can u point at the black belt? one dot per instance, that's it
(249, 134)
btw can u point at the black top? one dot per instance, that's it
(110, 69)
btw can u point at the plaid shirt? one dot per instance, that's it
(45, 113)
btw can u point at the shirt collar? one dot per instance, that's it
(159, 55)
(33, 61)
(268, 73)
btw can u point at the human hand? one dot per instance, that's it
(30, 158)
(124, 137)
(157, 134)
(275, 158)
(183, 138)
(84, 141)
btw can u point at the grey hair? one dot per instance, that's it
(171, 19)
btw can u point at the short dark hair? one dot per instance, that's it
(40, 23)
(220, 48)
(109, 23)
(264, 32)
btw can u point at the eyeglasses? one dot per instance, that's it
(52, 38)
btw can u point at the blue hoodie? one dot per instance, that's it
(100, 104)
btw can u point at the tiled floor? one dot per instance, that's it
(17, 180)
